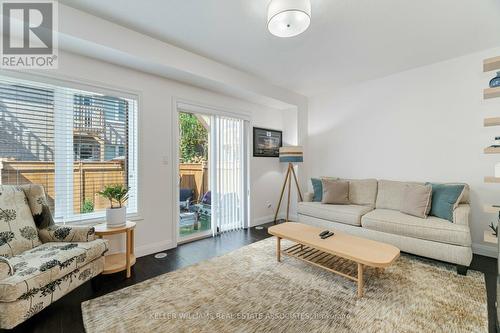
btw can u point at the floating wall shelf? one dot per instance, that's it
(492, 121)
(491, 92)
(491, 64)
(492, 150)
(490, 179)
(489, 237)
(490, 209)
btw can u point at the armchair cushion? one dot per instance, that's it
(17, 228)
(64, 233)
(39, 207)
(6, 268)
(39, 268)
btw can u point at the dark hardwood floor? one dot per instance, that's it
(65, 314)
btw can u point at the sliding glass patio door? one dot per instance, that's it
(195, 209)
(229, 174)
(213, 172)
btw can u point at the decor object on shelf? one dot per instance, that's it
(494, 228)
(266, 142)
(495, 82)
(115, 216)
(497, 170)
(288, 18)
(290, 155)
(118, 262)
(41, 263)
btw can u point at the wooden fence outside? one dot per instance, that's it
(194, 176)
(88, 179)
(91, 177)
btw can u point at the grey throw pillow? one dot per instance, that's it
(416, 200)
(335, 192)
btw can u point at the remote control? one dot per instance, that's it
(327, 235)
(323, 233)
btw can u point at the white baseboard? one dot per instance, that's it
(270, 218)
(485, 250)
(262, 220)
(145, 250)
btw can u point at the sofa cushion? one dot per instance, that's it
(347, 214)
(38, 267)
(18, 232)
(389, 194)
(416, 200)
(431, 228)
(363, 191)
(335, 191)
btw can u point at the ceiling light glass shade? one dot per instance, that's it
(288, 18)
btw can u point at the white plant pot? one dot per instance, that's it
(116, 217)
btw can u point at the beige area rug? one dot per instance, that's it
(248, 291)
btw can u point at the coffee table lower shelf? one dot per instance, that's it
(343, 267)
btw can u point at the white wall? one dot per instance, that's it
(268, 173)
(156, 231)
(424, 124)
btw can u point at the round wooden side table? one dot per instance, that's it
(119, 261)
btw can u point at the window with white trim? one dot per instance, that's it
(71, 141)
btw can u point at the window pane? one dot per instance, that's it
(100, 128)
(73, 142)
(27, 136)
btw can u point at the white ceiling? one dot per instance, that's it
(348, 40)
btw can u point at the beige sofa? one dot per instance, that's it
(40, 261)
(374, 213)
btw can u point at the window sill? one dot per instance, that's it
(100, 220)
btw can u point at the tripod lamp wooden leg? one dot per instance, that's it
(288, 178)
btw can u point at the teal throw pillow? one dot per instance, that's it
(444, 198)
(318, 189)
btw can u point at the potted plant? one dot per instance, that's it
(116, 214)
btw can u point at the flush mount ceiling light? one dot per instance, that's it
(288, 18)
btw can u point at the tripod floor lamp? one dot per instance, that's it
(290, 155)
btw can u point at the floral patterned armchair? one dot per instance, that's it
(40, 261)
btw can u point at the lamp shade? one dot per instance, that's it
(292, 154)
(288, 18)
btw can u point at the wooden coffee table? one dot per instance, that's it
(325, 253)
